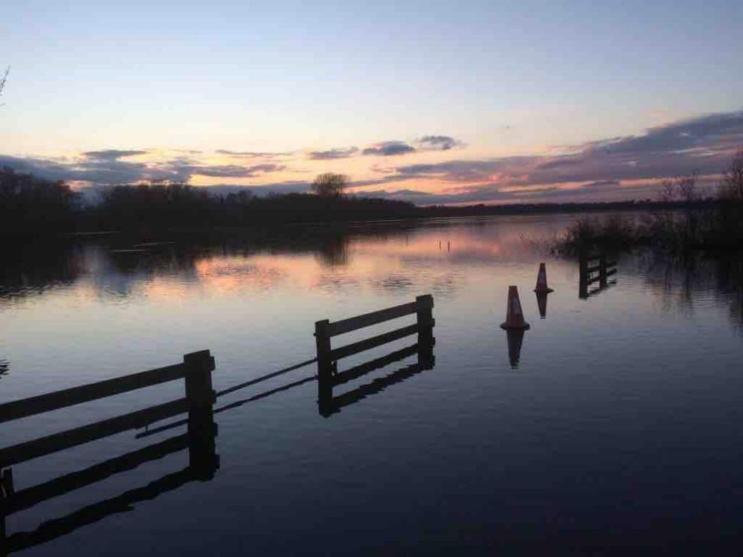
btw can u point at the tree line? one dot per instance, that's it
(31, 206)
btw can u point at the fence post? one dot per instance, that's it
(583, 276)
(6, 490)
(324, 364)
(603, 277)
(201, 427)
(424, 313)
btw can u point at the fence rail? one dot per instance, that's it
(589, 265)
(195, 369)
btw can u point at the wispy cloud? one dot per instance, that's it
(388, 149)
(332, 154)
(112, 154)
(439, 143)
(252, 154)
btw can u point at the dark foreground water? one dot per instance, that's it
(619, 427)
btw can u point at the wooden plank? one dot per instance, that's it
(373, 342)
(611, 272)
(31, 496)
(85, 393)
(87, 433)
(592, 280)
(611, 264)
(595, 269)
(369, 319)
(362, 369)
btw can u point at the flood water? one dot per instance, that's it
(613, 424)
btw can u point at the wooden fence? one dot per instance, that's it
(328, 357)
(594, 269)
(195, 370)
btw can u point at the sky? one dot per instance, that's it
(433, 102)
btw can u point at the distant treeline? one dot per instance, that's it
(33, 207)
(695, 224)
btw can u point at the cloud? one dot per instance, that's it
(332, 154)
(389, 148)
(439, 143)
(233, 171)
(108, 169)
(112, 154)
(251, 154)
(702, 145)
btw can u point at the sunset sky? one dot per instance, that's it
(433, 102)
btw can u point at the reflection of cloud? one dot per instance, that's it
(388, 148)
(395, 282)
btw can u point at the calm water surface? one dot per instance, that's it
(618, 427)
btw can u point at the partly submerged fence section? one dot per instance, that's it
(594, 269)
(328, 357)
(199, 404)
(199, 399)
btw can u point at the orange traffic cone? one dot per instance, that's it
(542, 280)
(514, 315)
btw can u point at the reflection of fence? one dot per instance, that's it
(595, 269)
(327, 357)
(195, 370)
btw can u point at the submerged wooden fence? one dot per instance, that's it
(594, 269)
(328, 357)
(199, 399)
(195, 370)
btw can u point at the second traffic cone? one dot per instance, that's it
(514, 314)
(542, 280)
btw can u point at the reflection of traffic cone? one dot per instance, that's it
(514, 315)
(542, 280)
(515, 340)
(542, 304)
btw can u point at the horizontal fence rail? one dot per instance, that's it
(588, 270)
(102, 389)
(195, 370)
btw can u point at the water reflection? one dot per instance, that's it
(515, 339)
(330, 403)
(681, 280)
(203, 462)
(325, 257)
(4, 367)
(542, 303)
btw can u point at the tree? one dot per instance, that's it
(330, 185)
(3, 80)
(732, 182)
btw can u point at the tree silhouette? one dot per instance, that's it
(330, 184)
(4, 80)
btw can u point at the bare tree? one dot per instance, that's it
(681, 188)
(732, 182)
(330, 185)
(3, 80)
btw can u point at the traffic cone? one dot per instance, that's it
(542, 280)
(514, 315)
